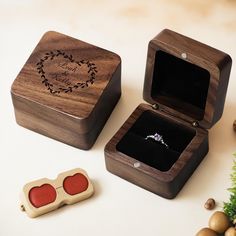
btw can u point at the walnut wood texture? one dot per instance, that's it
(213, 68)
(166, 184)
(217, 63)
(67, 89)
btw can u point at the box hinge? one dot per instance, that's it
(155, 106)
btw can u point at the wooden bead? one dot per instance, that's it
(234, 125)
(206, 232)
(210, 204)
(230, 232)
(219, 222)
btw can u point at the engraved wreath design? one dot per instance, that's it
(92, 70)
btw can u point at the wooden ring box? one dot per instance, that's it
(67, 89)
(185, 85)
(45, 195)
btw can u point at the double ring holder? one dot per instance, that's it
(45, 195)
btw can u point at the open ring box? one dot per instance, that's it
(185, 85)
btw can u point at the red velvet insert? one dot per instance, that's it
(75, 184)
(42, 195)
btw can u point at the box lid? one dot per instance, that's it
(68, 76)
(186, 78)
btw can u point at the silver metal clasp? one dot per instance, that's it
(184, 55)
(195, 123)
(137, 164)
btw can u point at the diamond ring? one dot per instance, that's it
(158, 138)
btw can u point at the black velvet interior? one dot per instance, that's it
(180, 85)
(149, 151)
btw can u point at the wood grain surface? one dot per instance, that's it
(67, 89)
(167, 183)
(198, 112)
(216, 62)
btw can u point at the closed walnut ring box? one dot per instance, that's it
(67, 89)
(185, 85)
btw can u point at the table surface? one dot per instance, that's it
(118, 207)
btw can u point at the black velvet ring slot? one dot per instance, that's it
(151, 152)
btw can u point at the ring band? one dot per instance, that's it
(158, 138)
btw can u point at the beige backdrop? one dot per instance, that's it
(118, 207)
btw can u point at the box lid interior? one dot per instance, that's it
(180, 84)
(183, 80)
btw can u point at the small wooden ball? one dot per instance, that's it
(234, 125)
(230, 232)
(210, 204)
(206, 232)
(219, 222)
